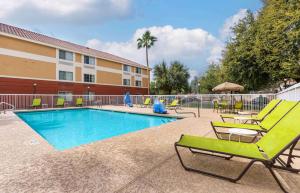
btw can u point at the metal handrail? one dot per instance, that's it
(198, 107)
(5, 103)
(185, 112)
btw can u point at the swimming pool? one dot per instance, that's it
(65, 129)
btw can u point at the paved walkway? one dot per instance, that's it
(143, 161)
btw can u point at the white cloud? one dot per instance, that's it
(194, 47)
(226, 30)
(63, 11)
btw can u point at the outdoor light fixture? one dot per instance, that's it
(34, 88)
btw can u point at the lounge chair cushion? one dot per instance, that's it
(283, 133)
(248, 150)
(261, 115)
(147, 101)
(174, 103)
(79, 101)
(60, 102)
(36, 102)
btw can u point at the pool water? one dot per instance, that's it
(65, 129)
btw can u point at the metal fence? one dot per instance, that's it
(291, 93)
(251, 102)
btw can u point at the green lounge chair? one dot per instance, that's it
(147, 102)
(238, 106)
(268, 123)
(257, 118)
(60, 102)
(216, 106)
(268, 150)
(79, 102)
(174, 104)
(223, 105)
(37, 102)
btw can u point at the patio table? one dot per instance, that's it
(241, 132)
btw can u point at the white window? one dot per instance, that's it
(65, 55)
(138, 83)
(126, 82)
(126, 68)
(64, 75)
(66, 95)
(89, 78)
(89, 60)
(89, 96)
(138, 70)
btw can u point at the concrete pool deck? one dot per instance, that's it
(143, 161)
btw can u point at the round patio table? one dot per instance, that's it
(241, 132)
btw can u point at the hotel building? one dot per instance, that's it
(35, 63)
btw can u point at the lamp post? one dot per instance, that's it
(88, 93)
(198, 88)
(34, 88)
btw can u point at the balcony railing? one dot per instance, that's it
(251, 102)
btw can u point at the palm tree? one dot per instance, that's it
(146, 41)
(162, 78)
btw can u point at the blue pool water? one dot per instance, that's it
(65, 129)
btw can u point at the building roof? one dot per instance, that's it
(33, 36)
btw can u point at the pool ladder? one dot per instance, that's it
(12, 107)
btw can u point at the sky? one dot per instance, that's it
(193, 32)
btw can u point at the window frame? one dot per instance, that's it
(138, 70)
(63, 56)
(139, 82)
(126, 67)
(126, 79)
(89, 58)
(91, 78)
(67, 95)
(65, 75)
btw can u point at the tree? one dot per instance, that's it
(265, 49)
(171, 79)
(211, 78)
(278, 44)
(146, 41)
(162, 78)
(195, 85)
(239, 59)
(179, 75)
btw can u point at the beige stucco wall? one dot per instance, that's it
(19, 67)
(78, 75)
(25, 46)
(132, 81)
(78, 58)
(109, 78)
(109, 64)
(144, 71)
(145, 82)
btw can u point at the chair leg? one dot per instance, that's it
(244, 171)
(276, 178)
(222, 119)
(287, 165)
(213, 174)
